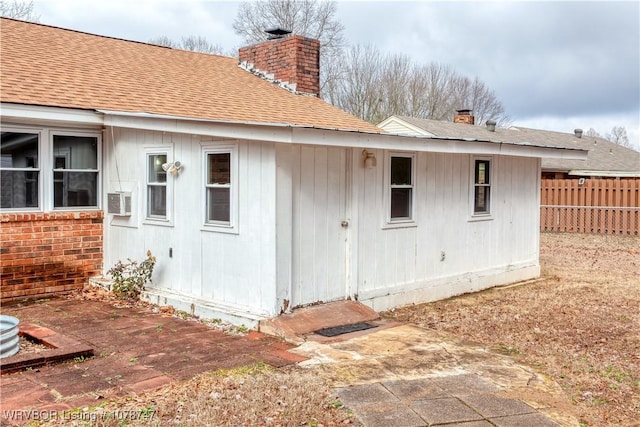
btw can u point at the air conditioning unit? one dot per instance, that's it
(119, 203)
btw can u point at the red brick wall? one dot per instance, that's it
(294, 59)
(43, 254)
(467, 119)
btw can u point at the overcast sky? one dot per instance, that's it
(553, 65)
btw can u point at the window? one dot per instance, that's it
(156, 186)
(75, 171)
(219, 187)
(63, 173)
(19, 170)
(401, 188)
(482, 187)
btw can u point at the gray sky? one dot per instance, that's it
(554, 65)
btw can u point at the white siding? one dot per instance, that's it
(393, 261)
(319, 192)
(235, 269)
(397, 127)
(289, 247)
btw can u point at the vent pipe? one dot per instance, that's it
(491, 125)
(578, 133)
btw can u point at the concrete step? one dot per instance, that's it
(294, 326)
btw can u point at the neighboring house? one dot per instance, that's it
(254, 197)
(605, 159)
(598, 195)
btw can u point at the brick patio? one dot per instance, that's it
(135, 350)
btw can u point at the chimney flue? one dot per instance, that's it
(464, 116)
(277, 33)
(491, 125)
(578, 133)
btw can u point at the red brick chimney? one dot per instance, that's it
(293, 60)
(464, 116)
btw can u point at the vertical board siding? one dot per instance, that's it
(319, 241)
(235, 269)
(605, 206)
(391, 257)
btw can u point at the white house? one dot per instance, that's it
(271, 199)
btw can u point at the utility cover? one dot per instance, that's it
(344, 329)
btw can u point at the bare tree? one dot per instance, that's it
(311, 18)
(358, 91)
(164, 41)
(592, 133)
(200, 44)
(375, 86)
(193, 43)
(16, 9)
(619, 136)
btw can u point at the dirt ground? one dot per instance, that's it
(580, 324)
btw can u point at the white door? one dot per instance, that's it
(320, 227)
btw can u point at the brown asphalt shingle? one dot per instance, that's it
(49, 66)
(603, 155)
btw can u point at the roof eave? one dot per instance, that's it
(300, 134)
(26, 113)
(281, 132)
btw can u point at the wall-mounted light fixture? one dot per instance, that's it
(173, 168)
(369, 159)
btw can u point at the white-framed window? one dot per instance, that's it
(20, 173)
(220, 186)
(75, 170)
(481, 187)
(400, 188)
(157, 185)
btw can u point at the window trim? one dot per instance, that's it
(53, 170)
(402, 222)
(221, 226)
(40, 169)
(167, 220)
(481, 216)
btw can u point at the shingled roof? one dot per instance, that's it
(604, 156)
(49, 66)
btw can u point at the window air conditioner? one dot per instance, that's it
(119, 204)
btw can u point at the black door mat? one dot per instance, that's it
(344, 329)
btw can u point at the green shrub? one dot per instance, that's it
(130, 277)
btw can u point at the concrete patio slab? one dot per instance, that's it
(537, 420)
(393, 416)
(438, 377)
(493, 406)
(445, 411)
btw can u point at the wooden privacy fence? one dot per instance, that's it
(605, 206)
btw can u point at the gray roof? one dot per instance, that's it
(604, 155)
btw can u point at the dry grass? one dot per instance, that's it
(580, 325)
(255, 395)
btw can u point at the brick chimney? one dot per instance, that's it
(293, 60)
(464, 116)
